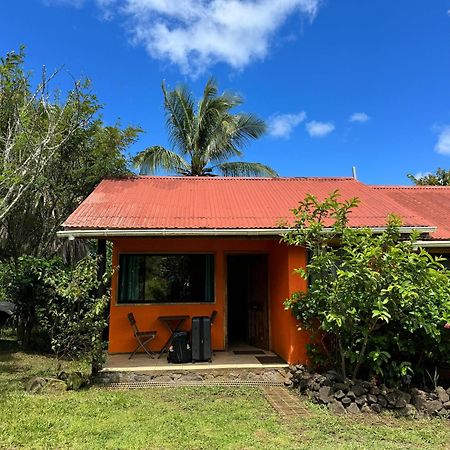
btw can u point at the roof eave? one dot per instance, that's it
(173, 232)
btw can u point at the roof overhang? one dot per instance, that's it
(433, 244)
(174, 232)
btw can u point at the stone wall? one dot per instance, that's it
(343, 397)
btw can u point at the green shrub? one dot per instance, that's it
(383, 302)
(61, 301)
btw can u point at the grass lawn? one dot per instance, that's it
(183, 418)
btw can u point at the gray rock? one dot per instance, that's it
(448, 391)
(351, 395)
(375, 390)
(53, 386)
(408, 411)
(35, 384)
(346, 401)
(433, 406)
(376, 408)
(420, 402)
(392, 398)
(337, 408)
(325, 395)
(403, 399)
(442, 394)
(167, 378)
(360, 401)
(372, 398)
(353, 408)
(339, 394)
(366, 409)
(447, 405)
(358, 390)
(382, 401)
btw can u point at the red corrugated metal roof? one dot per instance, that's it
(432, 202)
(224, 203)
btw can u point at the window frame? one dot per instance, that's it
(146, 303)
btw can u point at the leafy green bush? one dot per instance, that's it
(383, 302)
(60, 300)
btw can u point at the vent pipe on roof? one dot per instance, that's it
(354, 173)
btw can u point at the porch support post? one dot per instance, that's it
(101, 270)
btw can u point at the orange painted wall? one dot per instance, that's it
(285, 339)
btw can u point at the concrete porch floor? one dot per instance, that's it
(220, 360)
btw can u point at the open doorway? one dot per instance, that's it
(247, 294)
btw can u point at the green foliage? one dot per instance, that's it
(54, 149)
(205, 137)
(440, 178)
(384, 302)
(60, 300)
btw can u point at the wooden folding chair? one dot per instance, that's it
(142, 337)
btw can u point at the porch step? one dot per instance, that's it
(176, 378)
(205, 383)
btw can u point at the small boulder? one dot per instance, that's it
(382, 401)
(375, 390)
(408, 411)
(54, 386)
(325, 395)
(339, 394)
(433, 406)
(360, 401)
(346, 401)
(353, 408)
(447, 405)
(442, 394)
(358, 390)
(403, 399)
(35, 384)
(376, 408)
(366, 409)
(372, 398)
(392, 398)
(337, 408)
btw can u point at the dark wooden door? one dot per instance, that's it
(257, 301)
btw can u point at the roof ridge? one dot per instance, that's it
(400, 187)
(206, 178)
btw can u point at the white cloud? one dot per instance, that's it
(319, 129)
(195, 34)
(282, 125)
(359, 117)
(443, 144)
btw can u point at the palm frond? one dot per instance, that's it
(180, 117)
(236, 132)
(245, 169)
(153, 158)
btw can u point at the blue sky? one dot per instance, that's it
(342, 83)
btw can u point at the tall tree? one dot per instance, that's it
(205, 137)
(54, 149)
(440, 178)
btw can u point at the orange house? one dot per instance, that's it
(190, 246)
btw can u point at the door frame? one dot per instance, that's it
(267, 306)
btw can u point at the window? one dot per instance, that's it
(166, 278)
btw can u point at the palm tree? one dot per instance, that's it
(204, 137)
